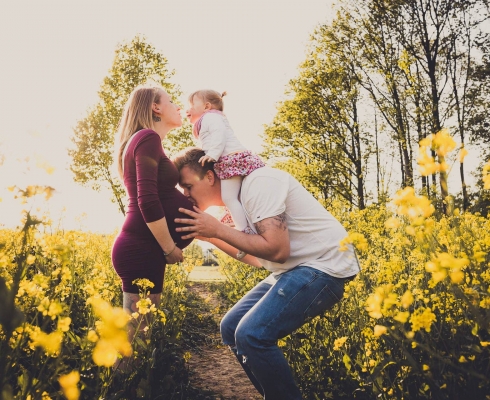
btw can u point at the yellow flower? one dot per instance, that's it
(144, 306)
(30, 259)
(51, 342)
(92, 336)
(69, 384)
(338, 343)
(462, 154)
(456, 276)
(445, 263)
(411, 205)
(105, 354)
(443, 143)
(462, 359)
(64, 324)
(422, 318)
(407, 299)
(402, 317)
(380, 330)
(392, 223)
(357, 239)
(425, 367)
(112, 331)
(143, 284)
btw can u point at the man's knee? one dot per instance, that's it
(247, 337)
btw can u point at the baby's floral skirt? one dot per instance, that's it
(237, 164)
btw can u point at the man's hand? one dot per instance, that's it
(205, 159)
(200, 224)
(272, 242)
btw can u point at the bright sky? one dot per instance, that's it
(55, 54)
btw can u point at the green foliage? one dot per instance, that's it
(377, 80)
(135, 63)
(317, 131)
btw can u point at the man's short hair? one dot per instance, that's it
(189, 157)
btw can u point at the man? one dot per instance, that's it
(297, 240)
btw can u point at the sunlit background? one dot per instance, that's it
(56, 53)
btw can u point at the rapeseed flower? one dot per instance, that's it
(69, 384)
(338, 343)
(50, 342)
(112, 330)
(422, 318)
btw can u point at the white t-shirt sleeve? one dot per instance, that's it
(213, 135)
(264, 197)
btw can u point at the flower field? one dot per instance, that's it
(62, 325)
(414, 324)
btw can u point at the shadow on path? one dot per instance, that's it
(212, 366)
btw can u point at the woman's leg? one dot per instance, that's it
(135, 326)
(230, 189)
(129, 304)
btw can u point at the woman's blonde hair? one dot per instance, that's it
(209, 96)
(137, 115)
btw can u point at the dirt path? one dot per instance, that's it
(212, 366)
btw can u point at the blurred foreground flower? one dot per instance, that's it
(69, 384)
(112, 331)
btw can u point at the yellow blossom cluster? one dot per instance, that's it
(338, 343)
(357, 239)
(441, 143)
(444, 264)
(422, 318)
(69, 384)
(50, 342)
(381, 302)
(111, 328)
(412, 206)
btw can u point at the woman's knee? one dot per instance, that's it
(227, 329)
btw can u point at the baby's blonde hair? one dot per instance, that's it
(209, 96)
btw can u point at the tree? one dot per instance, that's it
(439, 36)
(317, 134)
(135, 63)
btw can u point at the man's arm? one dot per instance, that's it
(232, 252)
(271, 242)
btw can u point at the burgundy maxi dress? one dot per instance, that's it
(150, 179)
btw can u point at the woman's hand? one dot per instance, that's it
(175, 256)
(200, 224)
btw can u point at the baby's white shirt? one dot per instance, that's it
(217, 138)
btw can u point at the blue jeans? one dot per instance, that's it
(270, 312)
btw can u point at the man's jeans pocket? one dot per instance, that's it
(330, 295)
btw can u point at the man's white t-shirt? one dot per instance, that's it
(314, 233)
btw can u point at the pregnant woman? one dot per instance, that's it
(148, 240)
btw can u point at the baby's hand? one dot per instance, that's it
(205, 159)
